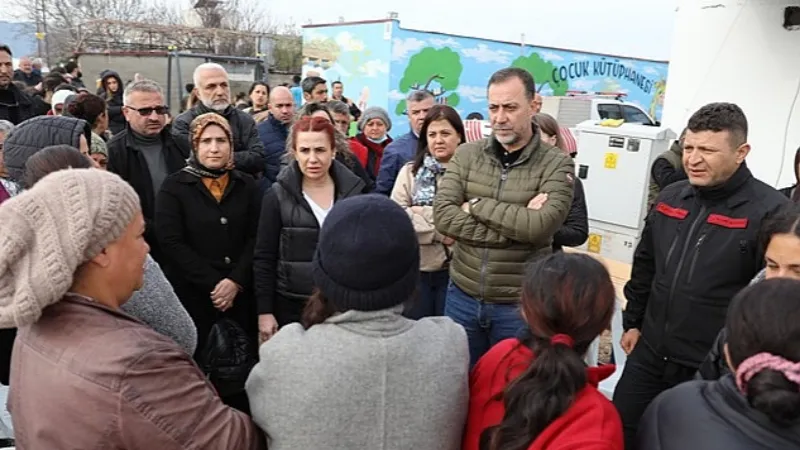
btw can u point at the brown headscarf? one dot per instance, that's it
(198, 125)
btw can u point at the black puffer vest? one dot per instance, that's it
(300, 228)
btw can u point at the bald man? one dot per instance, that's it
(212, 86)
(25, 73)
(274, 130)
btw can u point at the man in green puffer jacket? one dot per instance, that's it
(502, 199)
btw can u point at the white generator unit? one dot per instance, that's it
(614, 164)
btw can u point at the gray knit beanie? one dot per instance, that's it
(49, 231)
(374, 112)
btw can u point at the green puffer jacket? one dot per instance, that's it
(500, 235)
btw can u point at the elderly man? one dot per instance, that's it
(274, 130)
(403, 149)
(214, 94)
(145, 152)
(26, 74)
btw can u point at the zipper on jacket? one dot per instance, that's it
(672, 246)
(485, 259)
(679, 267)
(694, 258)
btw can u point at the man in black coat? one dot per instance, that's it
(214, 92)
(699, 247)
(145, 152)
(15, 105)
(274, 130)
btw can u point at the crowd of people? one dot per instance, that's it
(252, 275)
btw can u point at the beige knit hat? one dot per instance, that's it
(49, 231)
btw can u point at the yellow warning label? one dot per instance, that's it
(595, 243)
(611, 160)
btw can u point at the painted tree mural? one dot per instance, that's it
(542, 72)
(435, 70)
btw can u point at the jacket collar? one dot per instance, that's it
(730, 191)
(346, 182)
(277, 124)
(532, 146)
(74, 301)
(165, 134)
(724, 397)
(382, 323)
(201, 109)
(20, 97)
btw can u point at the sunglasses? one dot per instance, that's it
(160, 110)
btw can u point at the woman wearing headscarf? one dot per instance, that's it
(63, 279)
(292, 213)
(757, 405)
(374, 126)
(356, 374)
(206, 220)
(441, 133)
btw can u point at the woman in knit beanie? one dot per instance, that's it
(374, 126)
(84, 373)
(206, 220)
(357, 374)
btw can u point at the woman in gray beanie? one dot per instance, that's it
(373, 133)
(357, 374)
(84, 373)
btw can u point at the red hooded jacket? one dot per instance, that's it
(590, 423)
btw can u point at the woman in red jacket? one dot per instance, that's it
(535, 393)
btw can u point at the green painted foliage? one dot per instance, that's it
(542, 72)
(443, 63)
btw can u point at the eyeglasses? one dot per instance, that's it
(160, 110)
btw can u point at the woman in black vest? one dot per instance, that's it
(206, 220)
(291, 215)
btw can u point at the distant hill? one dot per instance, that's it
(21, 37)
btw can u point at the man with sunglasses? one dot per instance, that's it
(145, 152)
(212, 86)
(15, 105)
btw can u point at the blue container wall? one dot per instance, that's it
(358, 55)
(458, 68)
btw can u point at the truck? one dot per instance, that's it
(380, 63)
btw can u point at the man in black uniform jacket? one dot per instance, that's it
(698, 249)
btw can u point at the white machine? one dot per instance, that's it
(614, 164)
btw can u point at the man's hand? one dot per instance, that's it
(448, 241)
(224, 293)
(537, 202)
(465, 207)
(267, 327)
(629, 340)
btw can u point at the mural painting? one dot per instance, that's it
(392, 61)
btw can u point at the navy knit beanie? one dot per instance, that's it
(367, 258)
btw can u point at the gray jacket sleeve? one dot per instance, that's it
(157, 306)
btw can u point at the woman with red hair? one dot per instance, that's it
(292, 214)
(536, 393)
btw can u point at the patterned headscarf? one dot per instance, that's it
(196, 129)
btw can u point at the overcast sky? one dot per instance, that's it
(637, 28)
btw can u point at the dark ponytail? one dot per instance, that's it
(764, 327)
(317, 310)
(563, 294)
(773, 394)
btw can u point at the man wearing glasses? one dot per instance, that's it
(145, 153)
